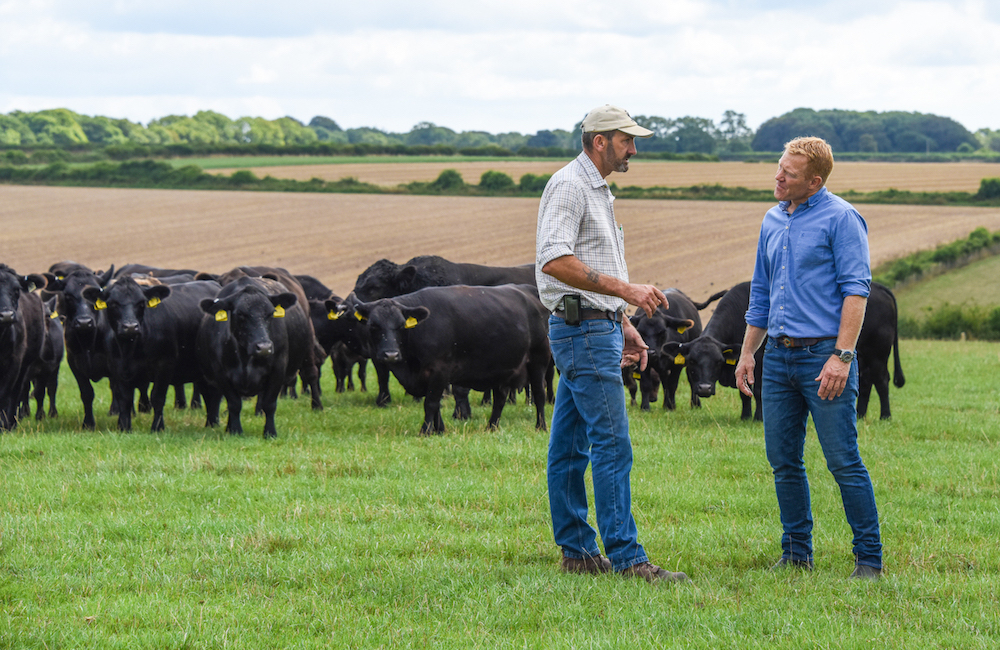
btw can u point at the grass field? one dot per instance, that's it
(974, 284)
(392, 171)
(350, 530)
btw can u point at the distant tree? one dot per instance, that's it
(101, 130)
(733, 133)
(512, 141)
(867, 143)
(543, 139)
(325, 135)
(228, 130)
(320, 122)
(427, 133)
(294, 131)
(774, 133)
(14, 131)
(468, 139)
(366, 135)
(496, 181)
(257, 130)
(449, 179)
(56, 126)
(181, 128)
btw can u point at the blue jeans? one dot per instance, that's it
(590, 425)
(789, 394)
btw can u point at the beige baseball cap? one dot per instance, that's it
(611, 118)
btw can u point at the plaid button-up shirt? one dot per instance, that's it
(577, 217)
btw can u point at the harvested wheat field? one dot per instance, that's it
(696, 246)
(860, 176)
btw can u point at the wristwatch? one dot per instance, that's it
(846, 356)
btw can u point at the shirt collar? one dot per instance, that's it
(590, 171)
(810, 202)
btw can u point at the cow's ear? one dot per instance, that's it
(334, 308)
(53, 284)
(362, 310)
(406, 277)
(680, 325)
(414, 316)
(283, 300)
(155, 294)
(33, 281)
(731, 353)
(635, 319)
(94, 295)
(675, 351)
(209, 305)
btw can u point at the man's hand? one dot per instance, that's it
(744, 374)
(646, 297)
(833, 378)
(634, 349)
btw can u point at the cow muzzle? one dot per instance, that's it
(128, 331)
(705, 390)
(6, 317)
(263, 349)
(85, 324)
(391, 356)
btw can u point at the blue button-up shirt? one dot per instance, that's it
(807, 263)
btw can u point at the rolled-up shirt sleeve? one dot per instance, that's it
(850, 250)
(760, 287)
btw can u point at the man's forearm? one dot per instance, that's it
(752, 339)
(570, 270)
(852, 318)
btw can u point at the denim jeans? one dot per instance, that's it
(590, 425)
(789, 394)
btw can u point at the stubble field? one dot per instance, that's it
(860, 176)
(698, 247)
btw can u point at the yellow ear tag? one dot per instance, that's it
(54, 315)
(100, 304)
(410, 323)
(221, 316)
(332, 315)
(681, 330)
(60, 277)
(731, 362)
(152, 302)
(358, 315)
(279, 312)
(679, 360)
(636, 375)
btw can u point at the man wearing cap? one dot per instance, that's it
(808, 299)
(583, 279)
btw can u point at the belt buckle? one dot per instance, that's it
(787, 342)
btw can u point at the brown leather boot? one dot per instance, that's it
(596, 564)
(652, 573)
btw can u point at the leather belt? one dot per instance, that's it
(593, 314)
(789, 342)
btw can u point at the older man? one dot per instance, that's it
(807, 298)
(583, 279)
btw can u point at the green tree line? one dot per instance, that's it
(847, 131)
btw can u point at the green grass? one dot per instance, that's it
(350, 530)
(244, 162)
(973, 284)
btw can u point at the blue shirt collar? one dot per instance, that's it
(810, 202)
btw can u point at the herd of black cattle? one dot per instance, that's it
(435, 325)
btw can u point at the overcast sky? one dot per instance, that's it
(519, 65)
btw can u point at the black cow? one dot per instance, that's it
(85, 331)
(151, 339)
(22, 332)
(712, 357)
(879, 335)
(310, 371)
(252, 342)
(44, 373)
(679, 322)
(332, 334)
(154, 271)
(483, 338)
(385, 279)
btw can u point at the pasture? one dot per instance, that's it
(349, 530)
(847, 175)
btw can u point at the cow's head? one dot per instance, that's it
(77, 313)
(658, 330)
(707, 361)
(11, 286)
(387, 321)
(126, 303)
(385, 279)
(249, 313)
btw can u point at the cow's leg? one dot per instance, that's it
(180, 400)
(38, 394)
(747, 412)
(382, 371)
(433, 422)
(213, 399)
(158, 399)
(86, 397)
(123, 398)
(362, 374)
(463, 410)
(235, 404)
(195, 403)
(53, 384)
(669, 380)
(270, 406)
(499, 400)
(645, 388)
(144, 404)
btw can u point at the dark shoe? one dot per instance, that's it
(652, 573)
(789, 563)
(596, 564)
(865, 572)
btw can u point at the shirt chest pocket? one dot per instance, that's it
(812, 248)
